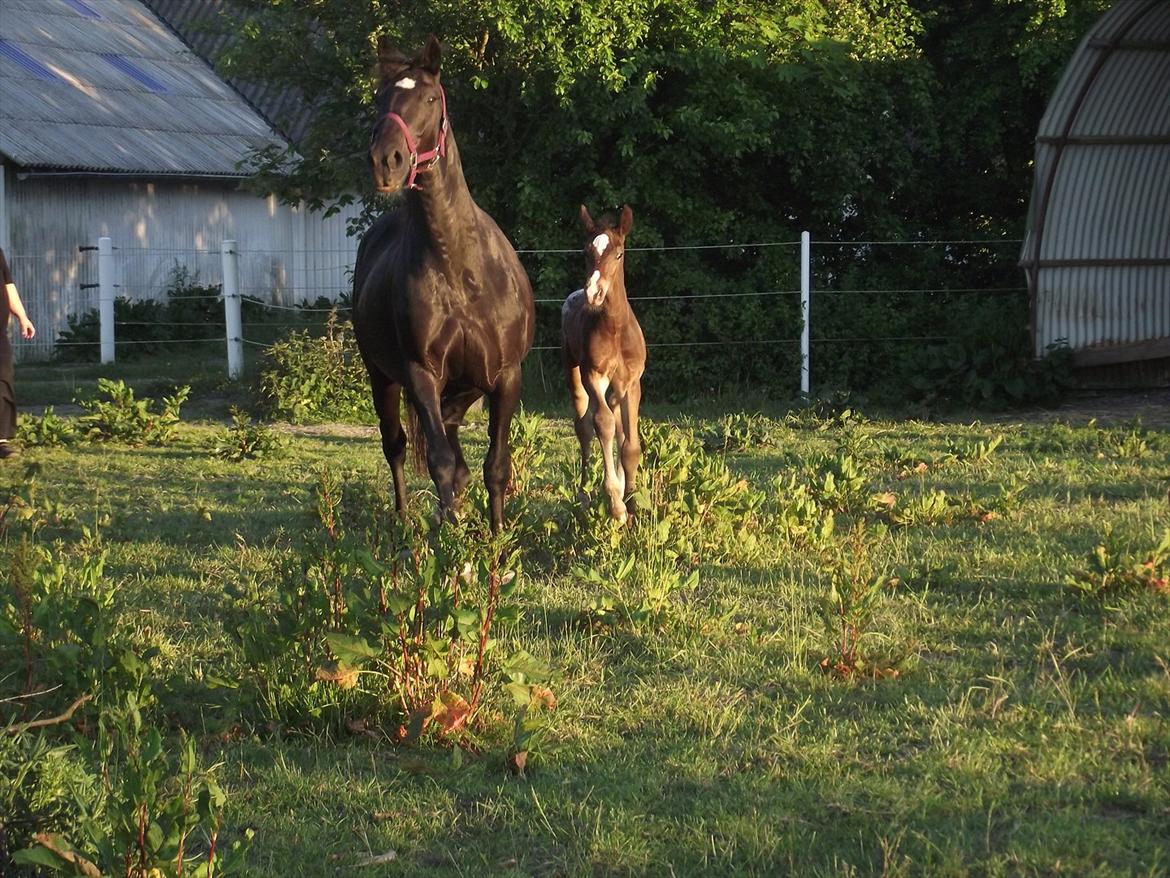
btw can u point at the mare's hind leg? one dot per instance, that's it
(497, 465)
(454, 408)
(386, 404)
(582, 426)
(441, 462)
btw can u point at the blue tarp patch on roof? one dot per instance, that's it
(124, 65)
(14, 53)
(84, 8)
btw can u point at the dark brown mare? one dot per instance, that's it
(442, 307)
(604, 356)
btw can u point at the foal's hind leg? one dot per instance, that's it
(582, 426)
(497, 465)
(631, 444)
(386, 401)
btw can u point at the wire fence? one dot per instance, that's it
(164, 298)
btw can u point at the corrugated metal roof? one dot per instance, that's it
(1097, 249)
(94, 115)
(207, 26)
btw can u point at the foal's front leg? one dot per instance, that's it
(582, 426)
(604, 423)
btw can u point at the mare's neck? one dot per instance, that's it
(442, 202)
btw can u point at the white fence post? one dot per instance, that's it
(233, 320)
(106, 298)
(805, 309)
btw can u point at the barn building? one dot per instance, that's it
(1097, 249)
(110, 125)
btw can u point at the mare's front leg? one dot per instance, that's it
(426, 395)
(582, 426)
(631, 444)
(454, 408)
(604, 423)
(497, 465)
(386, 403)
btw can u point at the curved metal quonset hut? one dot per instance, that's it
(1097, 249)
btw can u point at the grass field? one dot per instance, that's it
(1003, 722)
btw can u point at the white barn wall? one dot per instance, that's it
(286, 255)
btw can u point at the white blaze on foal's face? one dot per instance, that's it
(594, 291)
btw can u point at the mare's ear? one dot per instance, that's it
(586, 220)
(431, 55)
(391, 61)
(627, 221)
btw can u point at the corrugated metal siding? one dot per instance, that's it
(286, 255)
(1106, 201)
(94, 117)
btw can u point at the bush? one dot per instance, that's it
(309, 379)
(387, 617)
(122, 418)
(145, 327)
(48, 429)
(244, 439)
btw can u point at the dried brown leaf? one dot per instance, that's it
(336, 672)
(61, 848)
(517, 761)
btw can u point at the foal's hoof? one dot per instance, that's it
(619, 514)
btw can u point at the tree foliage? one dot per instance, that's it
(719, 121)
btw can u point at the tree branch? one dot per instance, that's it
(20, 728)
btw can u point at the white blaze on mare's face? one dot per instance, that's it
(600, 243)
(405, 82)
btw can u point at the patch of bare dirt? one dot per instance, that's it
(1151, 407)
(344, 430)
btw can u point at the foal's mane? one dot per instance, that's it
(608, 221)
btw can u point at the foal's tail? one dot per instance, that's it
(416, 439)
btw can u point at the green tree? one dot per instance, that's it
(718, 121)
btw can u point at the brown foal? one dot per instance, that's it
(604, 355)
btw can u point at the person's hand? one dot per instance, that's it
(27, 330)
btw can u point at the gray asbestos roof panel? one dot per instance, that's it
(93, 116)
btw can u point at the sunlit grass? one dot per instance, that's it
(1025, 731)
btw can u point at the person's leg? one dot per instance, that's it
(7, 397)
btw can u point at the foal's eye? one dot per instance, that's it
(431, 99)
(620, 255)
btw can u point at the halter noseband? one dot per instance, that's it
(432, 155)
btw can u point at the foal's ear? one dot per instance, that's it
(586, 220)
(431, 55)
(627, 221)
(390, 60)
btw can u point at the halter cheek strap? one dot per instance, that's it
(431, 156)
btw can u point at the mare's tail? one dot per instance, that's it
(416, 438)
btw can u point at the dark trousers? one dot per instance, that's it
(7, 383)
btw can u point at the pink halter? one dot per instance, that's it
(432, 155)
